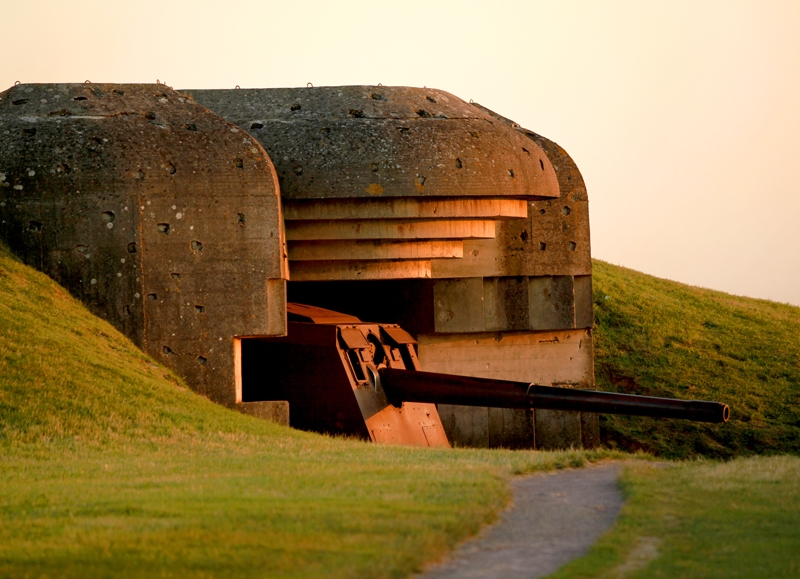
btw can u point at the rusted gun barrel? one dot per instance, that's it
(430, 387)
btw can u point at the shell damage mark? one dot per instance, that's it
(199, 309)
(197, 246)
(163, 228)
(419, 182)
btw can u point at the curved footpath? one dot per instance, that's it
(555, 517)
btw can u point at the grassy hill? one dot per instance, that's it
(110, 466)
(661, 338)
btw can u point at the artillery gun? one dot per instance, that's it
(344, 376)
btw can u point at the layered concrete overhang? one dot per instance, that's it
(395, 182)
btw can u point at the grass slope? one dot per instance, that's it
(110, 467)
(661, 338)
(702, 519)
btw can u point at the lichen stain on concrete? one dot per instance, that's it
(374, 189)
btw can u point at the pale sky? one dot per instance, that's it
(684, 117)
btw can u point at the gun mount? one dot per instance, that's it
(344, 376)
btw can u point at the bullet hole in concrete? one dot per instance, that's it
(132, 247)
(118, 91)
(79, 98)
(171, 169)
(197, 246)
(257, 125)
(403, 130)
(126, 311)
(298, 170)
(356, 113)
(511, 172)
(542, 211)
(325, 130)
(421, 180)
(474, 134)
(430, 99)
(34, 226)
(175, 275)
(566, 210)
(152, 297)
(376, 96)
(541, 164)
(190, 127)
(524, 235)
(167, 351)
(239, 163)
(202, 361)
(163, 228)
(139, 175)
(81, 248)
(526, 150)
(423, 113)
(374, 167)
(572, 246)
(108, 216)
(241, 219)
(542, 246)
(28, 132)
(458, 164)
(295, 107)
(19, 102)
(150, 116)
(199, 309)
(63, 168)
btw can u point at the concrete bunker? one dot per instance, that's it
(396, 205)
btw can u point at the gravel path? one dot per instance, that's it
(555, 517)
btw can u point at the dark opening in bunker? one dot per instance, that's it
(306, 370)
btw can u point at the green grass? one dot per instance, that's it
(702, 520)
(661, 338)
(110, 467)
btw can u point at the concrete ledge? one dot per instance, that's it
(272, 410)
